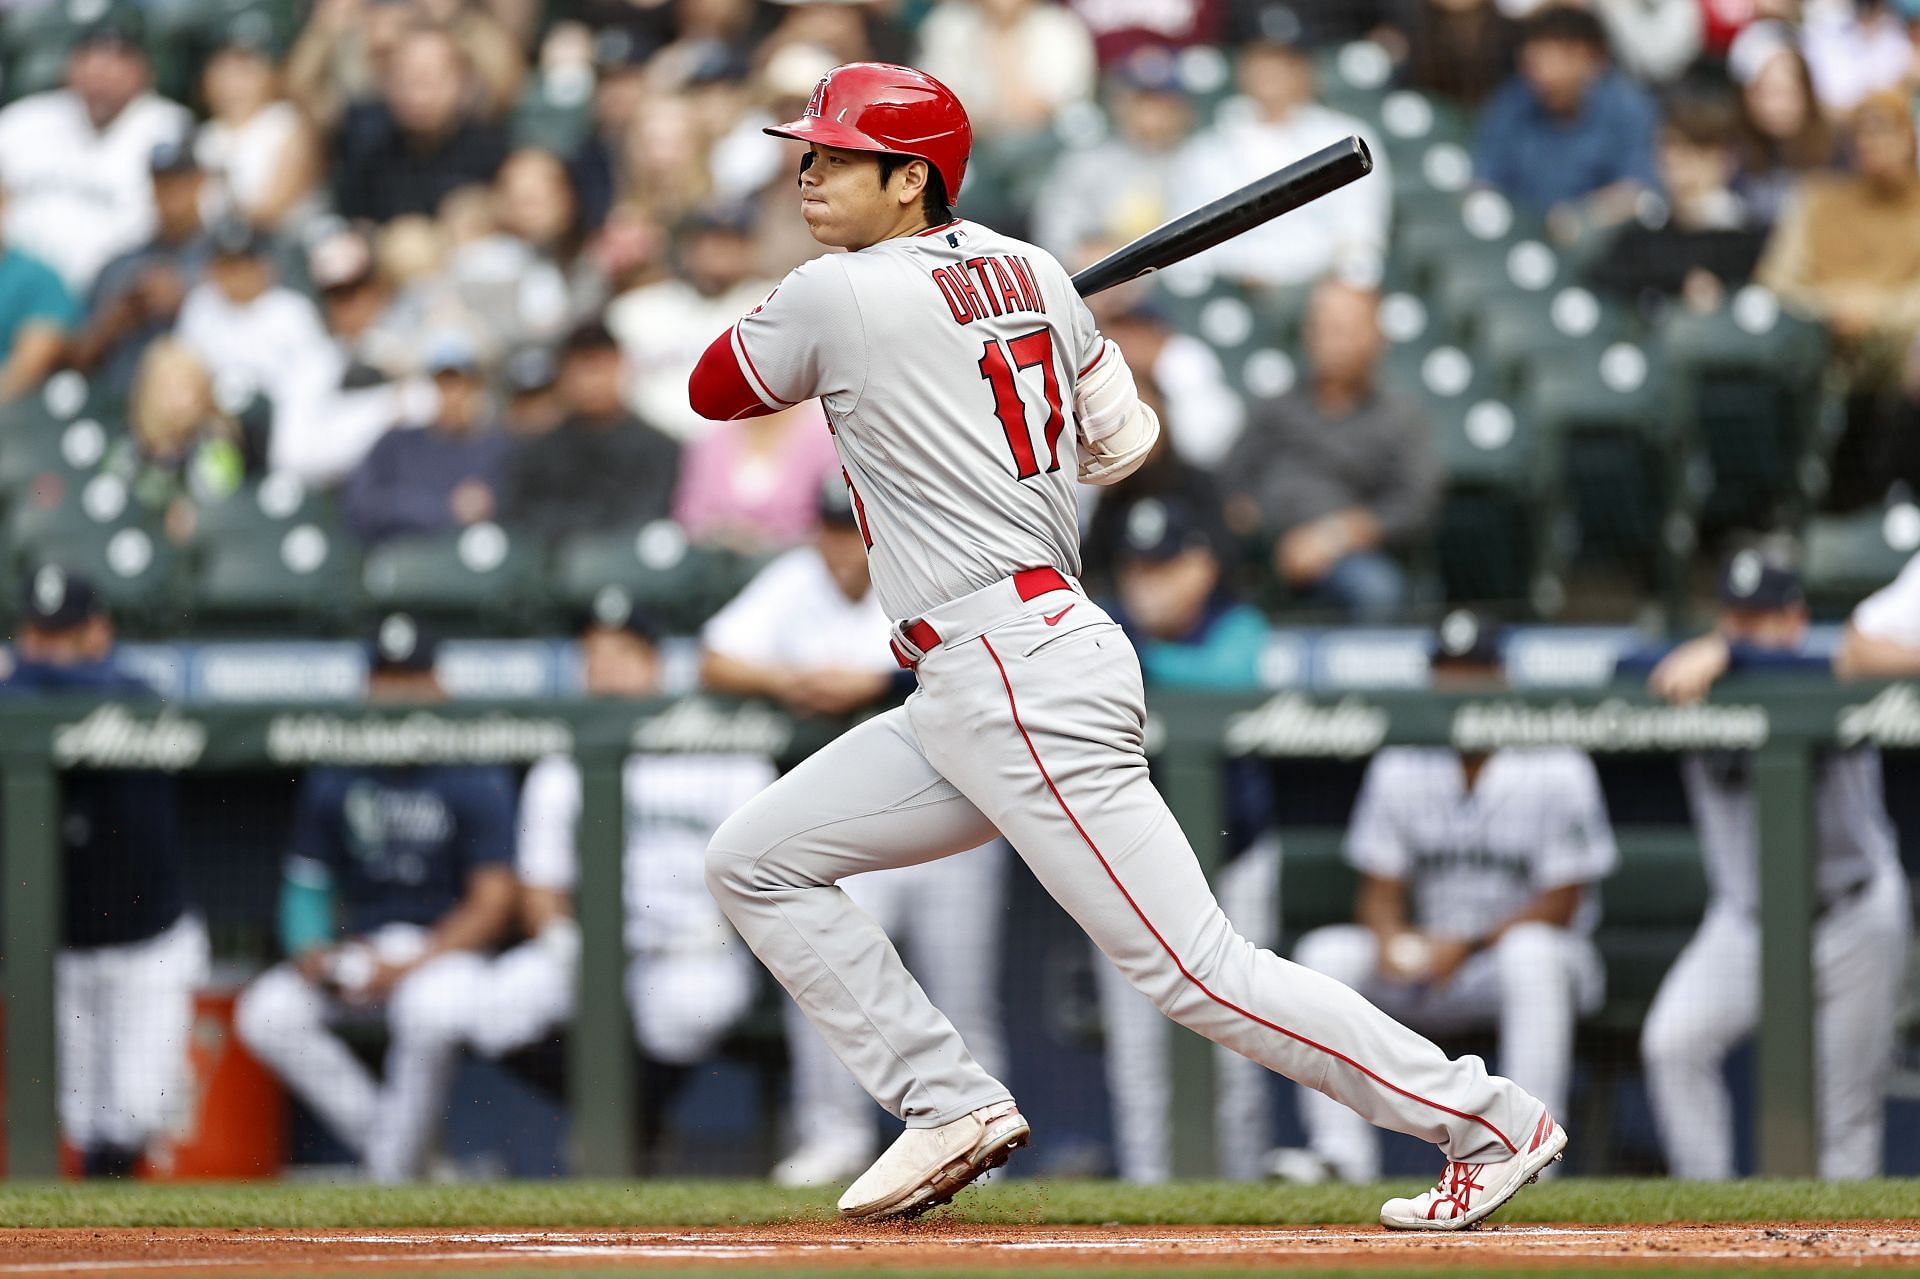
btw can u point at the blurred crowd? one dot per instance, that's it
(451, 260)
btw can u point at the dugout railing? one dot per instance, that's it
(1783, 721)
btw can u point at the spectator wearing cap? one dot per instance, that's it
(1192, 632)
(136, 297)
(36, 314)
(689, 979)
(182, 450)
(533, 404)
(1344, 232)
(74, 161)
(254, 332)
(750, 484)
(1696, 242)
(133, 952)
(422, 140)
(837, 662)
(263, 155)
(1783, 135)
(446, 475)
(1570, 134)
(1163, 476)
(335, 408)
(398, 878)
(1710, 1000)
(1476, 907)
(602, 468)
(1339, 473)
(1121, 186)
(658, 324)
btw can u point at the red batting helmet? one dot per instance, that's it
(877, 106)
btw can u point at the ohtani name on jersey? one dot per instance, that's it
(981, 288)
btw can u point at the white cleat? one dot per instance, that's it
(927, 1167)
(1468, 1194)
(822, 1163)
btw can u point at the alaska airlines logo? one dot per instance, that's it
(1292, 724)
(698, 727)
(112, 736)
(1892, 718)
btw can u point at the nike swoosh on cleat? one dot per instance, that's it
(1055, 619)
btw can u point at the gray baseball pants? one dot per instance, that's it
(1028, 721)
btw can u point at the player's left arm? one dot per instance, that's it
(1116, 428)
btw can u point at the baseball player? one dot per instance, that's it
(837, 663)
(689, 979)
(967, 387)
(1476, 905)
(393, 875)
(132, 952)
(1710, 999)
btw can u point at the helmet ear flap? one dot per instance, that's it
(806, 162)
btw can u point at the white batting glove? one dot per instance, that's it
(1116, 430)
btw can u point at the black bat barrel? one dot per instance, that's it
(1281, 191)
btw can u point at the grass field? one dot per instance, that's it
(1010, 1202)
(1062, 1229)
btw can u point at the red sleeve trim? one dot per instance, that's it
(1094, 364)
(760, 386)
(718, 390)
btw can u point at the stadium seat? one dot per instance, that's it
(1754, 376)
(1514, 330)
(265, 509)
(303, 579)
(678, 585)
(136, 570)
(1483, 272)
(1847, 557)
(480, 580)
(1613, 423)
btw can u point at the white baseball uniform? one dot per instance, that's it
(688, 980)
(1533, 821)
(794, 614)
(1710, 1000)
(947, 362)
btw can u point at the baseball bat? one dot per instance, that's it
(1281, 191)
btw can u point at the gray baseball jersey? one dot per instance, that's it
(946, 362)
(1856, 838)
(1535, 820)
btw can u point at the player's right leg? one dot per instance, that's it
(1859, 971)
(427, 1019)
(282, 1019)
(1042, 729)
(81, 1047)
(868, 801)
(1708, 1002)
(149, 1003)
(1346, 1144)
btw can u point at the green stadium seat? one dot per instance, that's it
(1515, 330)
(1753, 372)
(479, 580)
(303, 579)
(137, 572)
(677, 584)
(1848, 557)
(1484, 273)
(1613, 425)
(1354, 78)
(60, 505)
(265, 509)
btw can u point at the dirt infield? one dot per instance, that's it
(939, 1243)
